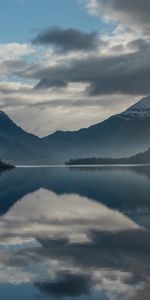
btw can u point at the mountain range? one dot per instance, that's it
(122, 135)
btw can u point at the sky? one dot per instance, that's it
(68, 64)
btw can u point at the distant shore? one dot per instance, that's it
(6, 166)
(108, 161)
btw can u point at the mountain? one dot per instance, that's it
(19, 147)
(122, 135)
(140, 158)
(140, 110)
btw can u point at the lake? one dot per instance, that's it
(75, 233)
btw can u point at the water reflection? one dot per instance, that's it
(67, 233)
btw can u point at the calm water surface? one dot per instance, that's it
(80, 233)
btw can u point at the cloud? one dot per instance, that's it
(13, 51)
(64, 40)
(135, 13)
(127, 73)
(9, 67)
(72, 88)
(67, 285)
(46, 83)
(141, 293)
(139, 44)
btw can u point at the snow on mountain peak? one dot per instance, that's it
(140, 109)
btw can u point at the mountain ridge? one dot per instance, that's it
(123, 113)
(118, 136)
(121, 135)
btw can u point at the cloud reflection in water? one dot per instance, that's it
(71, 246)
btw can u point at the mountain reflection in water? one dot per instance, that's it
(75, 233)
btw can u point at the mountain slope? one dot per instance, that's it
(122, 135)
(20, 147)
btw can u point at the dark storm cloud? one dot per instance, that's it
(66, 285)
(126, 74)
(129, 12)
(67, 39)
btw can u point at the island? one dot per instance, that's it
(140, 158)
(5, 166)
